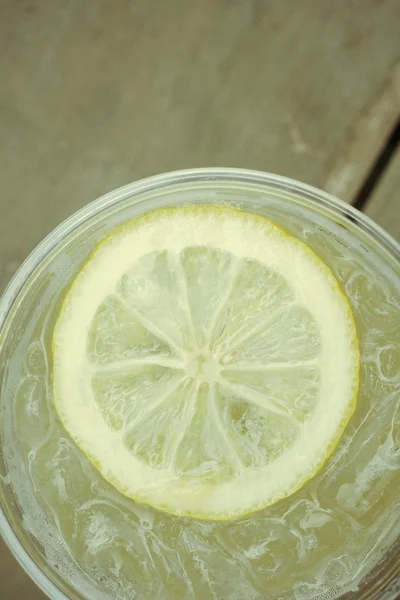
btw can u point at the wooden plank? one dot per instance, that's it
(96, 94)
(15, 583)
(370, 134)
(384, 204)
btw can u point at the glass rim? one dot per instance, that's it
(95, 207)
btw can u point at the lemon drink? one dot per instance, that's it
(182, 408)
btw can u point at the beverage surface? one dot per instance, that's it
(316, 543)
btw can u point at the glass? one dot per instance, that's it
(362, 479)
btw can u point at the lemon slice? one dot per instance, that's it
(205, 361)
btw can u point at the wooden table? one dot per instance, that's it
(96, 94)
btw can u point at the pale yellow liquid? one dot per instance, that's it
(316, 544)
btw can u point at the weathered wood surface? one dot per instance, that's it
(14, 583)
(370, 135)
(96, 94)
(384, 204)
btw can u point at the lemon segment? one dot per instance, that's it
(205, 361)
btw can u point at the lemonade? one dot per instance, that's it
(316, 544)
